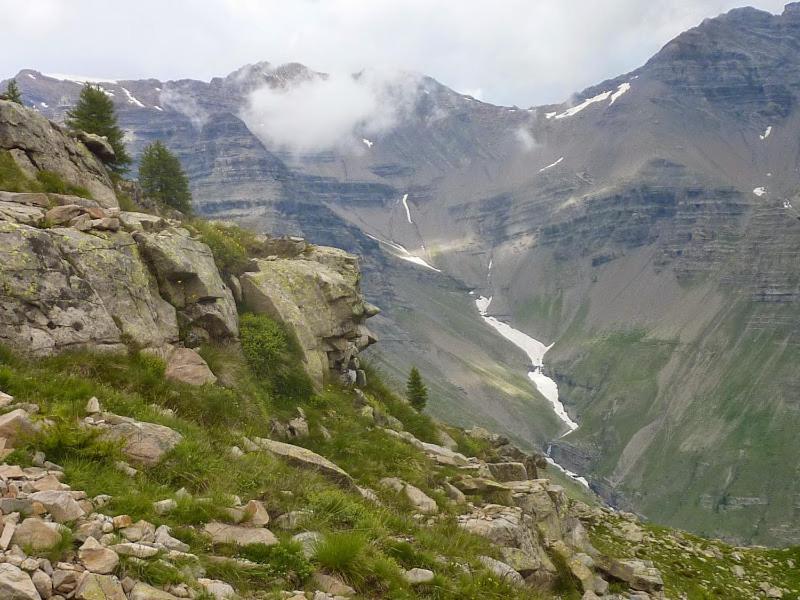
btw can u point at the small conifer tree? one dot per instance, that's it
(416, 392)
(162, 178)
(13, 93)
(94, 113)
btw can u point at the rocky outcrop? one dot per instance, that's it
(318, 296)
(37, 144)
(190, 280)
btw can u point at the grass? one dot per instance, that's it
(13, 179)
(368, 544)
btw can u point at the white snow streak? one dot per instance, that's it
(131, 99)
(550, 115)
(159, 108)
(620, 91)
(80, 79)
(558, 162)
(623, 88)
(408, 210)
(760, 191)
(535, 351)
(567, 472)
(31, 76)
(403, 254)
(767, 133)
(367, 142)
(44, 104)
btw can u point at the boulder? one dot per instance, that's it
(638, 574)
(508, 471)
(14, 425)
(417, 576)
(185, 365)
(222, 533)
(189, 279)
(317, 295)
(143, 442)
(60, 504)
(16, 584)
(98, 145)
(218, 589)
(501, 569)
(332, 585)
(36, 144)
(97, 558)
(420, 500)
(36, 534)
(305, 458)
(308, 541)
(99, 587)
(142, 591)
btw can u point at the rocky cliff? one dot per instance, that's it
(78, 272)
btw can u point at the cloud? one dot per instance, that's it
(334, 111)
(173, 98)
(514, 51)
(525, 139)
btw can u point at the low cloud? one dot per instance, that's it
(173, 98)
(525, 139)
(335, 111)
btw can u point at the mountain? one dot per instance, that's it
(647, 228)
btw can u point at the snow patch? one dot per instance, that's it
(550, 115)
(760, 191)
(31, 75)
(408, 210)
(79, 79)
(159, 108)
(400, 252)
(367, 142)
(613, 95)
(535, 351)
(767, 133)
(44, 104)
(131, 99)
(558, 162)
(620, 91)
(567, 472)
(787, 205)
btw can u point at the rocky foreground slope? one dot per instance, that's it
(145, 456)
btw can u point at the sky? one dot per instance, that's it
(510, 52)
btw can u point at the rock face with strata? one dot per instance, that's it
(318, 296)
(37, 144)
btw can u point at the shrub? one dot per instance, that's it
(230, 245)
(274, 357)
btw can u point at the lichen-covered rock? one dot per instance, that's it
(112, 266)
(16, 584)
(45, 306)
(317, 295)
(189, 279)
(143, 442)
(36, 144)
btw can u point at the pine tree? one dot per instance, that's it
(416, 392)
(94, 113)
(13, 93)
(161, 178)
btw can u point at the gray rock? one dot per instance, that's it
(306, 458)
(222, 533)
(43, 147)
(98, 145)
(96, 558)
(61, 505)
(36, 534)
(16, 584)
(143, 442)
(501, 569)
(508, 471)
(417, 576)
(189, 279)
(99, 587)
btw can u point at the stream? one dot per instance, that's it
(546, 386)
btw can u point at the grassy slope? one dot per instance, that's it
(368, 545)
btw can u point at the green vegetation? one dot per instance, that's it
(13, 179)
(362, 539)
(416, 392)
(94, 113)
(231, 245)
(162, 178)
(274, 357)
(12, 92)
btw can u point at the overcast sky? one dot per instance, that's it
(522, 52)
